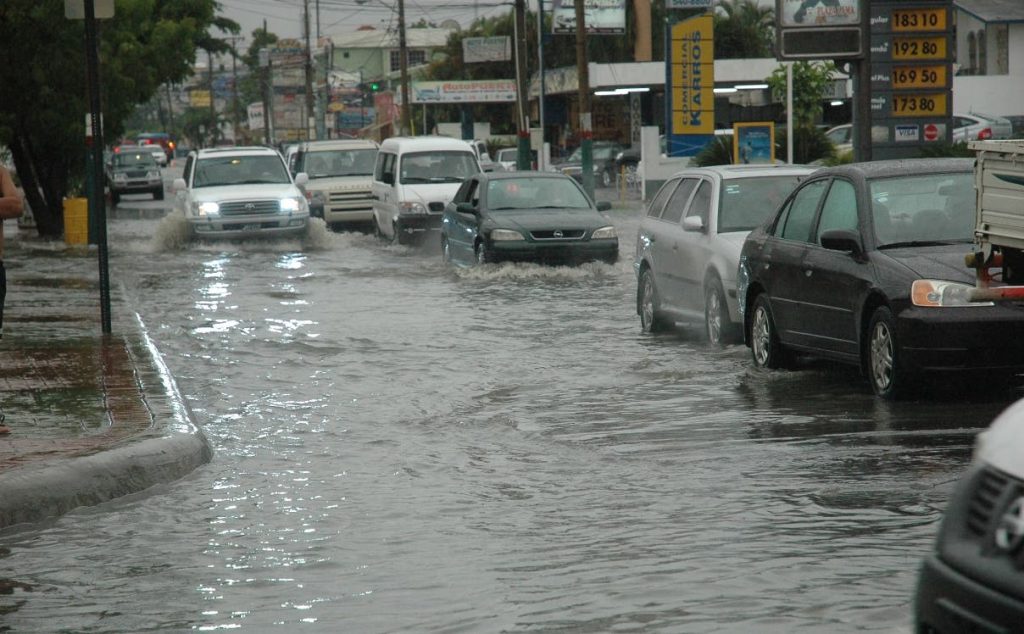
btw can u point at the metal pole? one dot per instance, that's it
(540, 74)
(97, 203)
(586, 124)
(789, 113)
(403, 71)
(213, 102)
(310, 134)
(523, 145)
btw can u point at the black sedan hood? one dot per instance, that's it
(945, 262)
(546, 219)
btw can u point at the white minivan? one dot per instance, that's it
(413, 180)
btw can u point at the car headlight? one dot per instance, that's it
(154, 175)
(939, 293)
(208, 209)
(290, 204)
(120, 176)
(412, 208)
(499, 235)
(603, 233)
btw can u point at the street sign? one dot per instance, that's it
(931, 132)
(101, 9)
(811, 29)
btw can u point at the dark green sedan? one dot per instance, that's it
(542, 217)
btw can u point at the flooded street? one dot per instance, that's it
(405, 447)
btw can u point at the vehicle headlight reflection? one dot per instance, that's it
(604, 233)
(499, 235)
(290, 204)
(942, 294)
(208, 209)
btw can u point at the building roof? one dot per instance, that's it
(993, 10)
(414, 38)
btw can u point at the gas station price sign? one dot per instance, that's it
(920, 19)
(914, 77)
(920, 105)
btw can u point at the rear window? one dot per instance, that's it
(747, 202)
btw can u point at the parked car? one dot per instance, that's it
(864, 263)
(688, 244)
(340, 175)
(526, 216)
(413, 180)
(133, 170)
(972, 581)
(1017, 123)
(841, 137)
(604, 153)
(978, 127)
(508, 158)
(487, 164)
(161, 139)
(241, 192)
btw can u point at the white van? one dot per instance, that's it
(413, 180)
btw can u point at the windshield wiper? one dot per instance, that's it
(923, 243)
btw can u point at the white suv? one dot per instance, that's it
(241, 192)
(340, 177)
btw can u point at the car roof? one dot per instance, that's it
(413, 143)
(901, 167)
(497, 176)
(726, 172)
(242, 150)
(338, 144)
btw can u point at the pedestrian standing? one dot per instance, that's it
(10, 207)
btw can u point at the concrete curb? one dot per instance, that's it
(170, 449)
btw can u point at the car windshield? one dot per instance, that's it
(327, 163)
(600, 153)
(535, 193)
(240, 170)
(924, 209)
(437, 167)
(747, 202)
(140, 159)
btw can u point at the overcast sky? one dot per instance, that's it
(284, 17)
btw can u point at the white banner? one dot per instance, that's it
(489, 90)
(487, 49)
(255, 112)
(601, 16)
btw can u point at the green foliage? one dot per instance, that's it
(809, 144)
(810, 79)
(933, 150)
(44, 97)
(717, 152)
(840, 158)
(743, 29)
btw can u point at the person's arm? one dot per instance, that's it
(10, 203)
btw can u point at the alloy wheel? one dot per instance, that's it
(760, 335)
(881, 356)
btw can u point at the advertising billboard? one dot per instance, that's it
(690, 85)
(602, 17)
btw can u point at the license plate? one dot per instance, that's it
(251, 227)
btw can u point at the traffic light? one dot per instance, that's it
(374, 86)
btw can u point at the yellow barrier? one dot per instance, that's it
(76, 221)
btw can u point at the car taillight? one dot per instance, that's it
(986, 133)
(170, 144)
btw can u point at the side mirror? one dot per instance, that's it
(842, 240)
(301, 179)
(179, 185)
(603, 205)
(693, 223)
(466, 208)
(387, 179)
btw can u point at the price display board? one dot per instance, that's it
(919, 48)
(908, 77)
(920, 19)
(919, 105)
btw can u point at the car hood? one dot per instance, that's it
(245, 192)
(358, 182)
(545, 219)
(430, 192)
(944, 262)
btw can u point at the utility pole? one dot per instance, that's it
(540, 75)
(234, 89)
(403, 69)
(523, 155)
(310, 133)
(213, 105)
(97, 205)
(586, 122)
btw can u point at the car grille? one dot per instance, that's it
(248, 207)
(137, 173)
(436, 207)
(991, 488)
(359, 196)
(558, 234)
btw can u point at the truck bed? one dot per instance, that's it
(999, 180)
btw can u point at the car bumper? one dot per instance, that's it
(417, 224)
(137, 187)
(948, 601)
(972, 338)
(562, 252)
(354, 216)
(249, 226)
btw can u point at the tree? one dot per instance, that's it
(44, 98)
(743, 29)
(809, 82)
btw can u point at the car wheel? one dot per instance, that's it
(648, 304)
(717, 326)
(889, 379)
(446, 251)
(765, 347)
(114, 198)
(396, 235)
(483, 253)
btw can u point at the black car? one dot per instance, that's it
(526, 216)
(864, 263)
(133, 170)
(605, 168)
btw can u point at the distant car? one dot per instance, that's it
(972, 581)
(864, 264)
(241, 192)
(604, 153)
(841, 137)
(508, 158)
(526, 216)
(1017, 122)
(133, 170)
(979, 127)
(688, 244)
(340, 175)
(160, 139)
(483, 156)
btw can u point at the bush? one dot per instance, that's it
(718, 152)
(809, 144)
(935, 150)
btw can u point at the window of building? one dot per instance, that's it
(413, 58)
(1002, 61)
(972, 53)
(982, 53)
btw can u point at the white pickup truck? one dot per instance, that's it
(999, 231)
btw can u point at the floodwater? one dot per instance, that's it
(403, 447)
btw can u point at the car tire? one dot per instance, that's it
(889, 377)
(717, 326)
(765, 347)
(158, 194)
(377, 233)
(114, 198)
(484, 254)
(446, 251)
(648, 304)
(396, 235)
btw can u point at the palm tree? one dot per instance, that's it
(744, 29)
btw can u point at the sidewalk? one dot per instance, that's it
(92, 417)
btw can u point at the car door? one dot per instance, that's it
(651, 227)
(181, 197)
(666, 248)
(460, 228)
(833, 280)
(781, 264)
(382, 191)
(694, 248)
